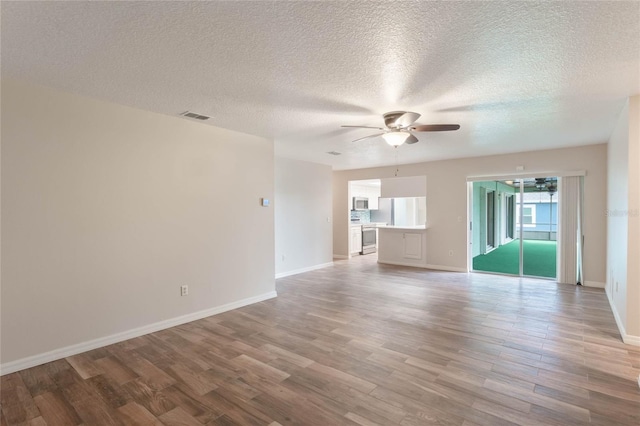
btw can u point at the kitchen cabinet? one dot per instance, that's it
(372, 193)
(373, 200)
(356, 239)
(412, 245)
(403, 245)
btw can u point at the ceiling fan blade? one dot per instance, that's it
(407, 119)
(411, 139)
(370, 136)
(400, 119)
(435, 127)
(365, 127)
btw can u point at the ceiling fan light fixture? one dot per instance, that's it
(396, 139)
(399, 128)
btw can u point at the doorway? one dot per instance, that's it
(515, 224)
(490, 222)
(510, 224)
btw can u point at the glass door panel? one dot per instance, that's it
(494, 247)
(514, 226)
(539, 222)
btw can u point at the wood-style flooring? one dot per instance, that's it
(357, 344)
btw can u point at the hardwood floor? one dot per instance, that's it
(357, 343)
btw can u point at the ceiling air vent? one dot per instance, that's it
(334, 153)
(194, 115)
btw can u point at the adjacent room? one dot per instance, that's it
(320, 213)
(515, 217)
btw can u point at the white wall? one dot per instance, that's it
(107, 210)
(617, 220)
(400, 187)
(623, 206)
(302, 205)
(341, 214)
(447, 199)
(633, 245)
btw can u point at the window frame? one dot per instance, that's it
(533, 223)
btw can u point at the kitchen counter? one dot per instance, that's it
(402, 227)
(403, 245)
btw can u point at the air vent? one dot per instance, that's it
(194, 115)
(334, 153)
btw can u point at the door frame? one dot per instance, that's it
(490, 207)
(514, 177)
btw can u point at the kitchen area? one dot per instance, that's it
(366, 215)
(388, 220)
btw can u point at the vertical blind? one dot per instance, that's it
(570, 229)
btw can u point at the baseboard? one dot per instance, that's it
(595, 284)
(395, 263)
(428, 266)
(340, 256)
(631, 340)
(301, 270)
(447, 268)
(621, 328)
(56, 354)
(413, 265)
(626, 338)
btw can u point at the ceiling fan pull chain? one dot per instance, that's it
(395, 149)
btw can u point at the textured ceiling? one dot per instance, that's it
(516, 76)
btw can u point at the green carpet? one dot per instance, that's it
(539, 259)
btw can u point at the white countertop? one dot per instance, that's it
(417, 227)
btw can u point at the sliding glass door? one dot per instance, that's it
(539, 207)
(494, 248)
(514, 226)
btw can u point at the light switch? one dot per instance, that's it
(264, 202)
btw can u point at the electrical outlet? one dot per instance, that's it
(450, 252)
(617, 286)
(184, 290)
(284, 257)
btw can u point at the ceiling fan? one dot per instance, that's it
(548, 184)
(400, 125)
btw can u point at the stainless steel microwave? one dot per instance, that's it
(360, 203)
